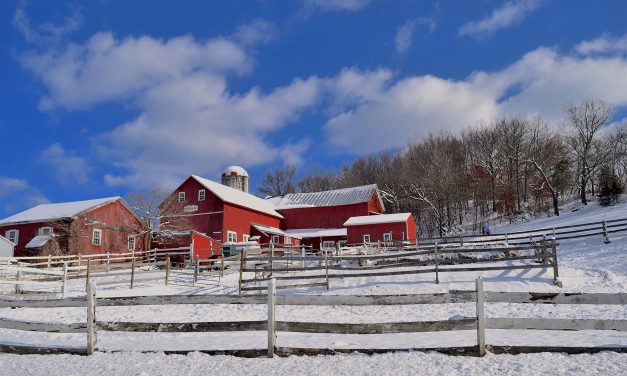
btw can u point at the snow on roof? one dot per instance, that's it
(3, 239)
(237, 197)
(236, 169)
(48, 212)
(273, 230)
(345, 196)
(304, 233)
(375, 219)
(38, 241)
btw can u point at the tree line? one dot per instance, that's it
(504, 168)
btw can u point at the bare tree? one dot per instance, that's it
(586, 120)
(318, 180)
(279, 182)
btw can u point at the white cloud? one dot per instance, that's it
(605, 44)
(542, 81)
(405, 32)
(69, 169)
(511, 13)
(105, 68)
(17, 194)
(312, 6)
(255, 32)
(47, 32)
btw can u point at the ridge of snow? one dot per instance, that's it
(46, 212)
(344, 196)
(237, 197)
(38, 241)
(376, 219)
(316, 232)
(272, 230)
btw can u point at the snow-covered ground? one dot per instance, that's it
(586, 265)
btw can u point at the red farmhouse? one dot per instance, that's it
(86, 227)
(221, 212)
(381, 228)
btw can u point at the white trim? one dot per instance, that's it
(388, 235)
(228, 236)
(287, 239)
(96, 240)
(328, 244)
(128, 242)
(245, 237)
(47, 230)
(201, 197)
(16, 238)
(364, 238)
(273, 239)
(181, 196)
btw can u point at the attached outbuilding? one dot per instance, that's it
(6, 247)
(381, 228)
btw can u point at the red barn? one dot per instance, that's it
(198, 244)
(381, 228)
(86, 227)
(221, 212)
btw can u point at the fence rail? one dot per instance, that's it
(479, 323)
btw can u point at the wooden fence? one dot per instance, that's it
(479, 323)
(434, 261)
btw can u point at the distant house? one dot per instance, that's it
(221, 212)
(86, 227)
(380, 228)
(6, 247)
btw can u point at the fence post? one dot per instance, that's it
(196, 269)
(480, 316)
(91, 318)
(302, 254)
(133, 271)
(461, 241)
(87, 274)
(326, 263)
(221, 264)
(108, 260)
(242, 257)
(167, 269)
(79, 260)
(435, 255)
(18, 278)
(544, 251)
(271, 317)
(64, 279)
(506, 239)
(49, 260)
(554, 237)
(271, 258)
(556, 273)
(606, 238)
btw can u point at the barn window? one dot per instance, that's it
(232, 236)
(296, 242)
(275, 239)
(287, 240)
(328, 244)
(201, 195)
(45, 230)
(245, 237)
(96, 237)
(342, 243)
(366, 238)
(13, 236)
(131, 243)
(387, 237)
(181, 196)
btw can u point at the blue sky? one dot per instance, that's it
(105, 97)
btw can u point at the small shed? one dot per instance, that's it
(6, 247)
(381, 228)
(198, 244)
(268, 234)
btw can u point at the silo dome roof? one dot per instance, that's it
(235, 169)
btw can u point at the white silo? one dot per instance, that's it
(235, 177)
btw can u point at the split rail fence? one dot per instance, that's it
(478, 323)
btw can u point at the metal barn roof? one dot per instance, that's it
(336, 197)
(376, 219)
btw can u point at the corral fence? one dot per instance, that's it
(324, 267)
(577, 231)
(478, 323)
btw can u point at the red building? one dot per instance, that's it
(221, 212)
(381, 228)
(275, 235)
(86, 227)
(196, 244)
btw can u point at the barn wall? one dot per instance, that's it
(321, 217)
(240, 219)
(399, 232)
(205, 247)
(209, 216)
(315, 243)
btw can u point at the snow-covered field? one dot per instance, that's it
(586, 265)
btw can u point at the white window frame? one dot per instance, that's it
(16, 237)
(328, 244)
(232, 239)
(275, 239)
(287, 239)
(387, 235)
(131, 240)
(96, 240)
(202, 194)
(343, 243)
(366, 238)
(47, 230)
(245, 237)
(181, 196)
